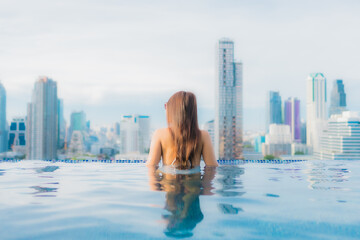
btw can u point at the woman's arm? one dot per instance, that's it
(155, 150)
(208, 150)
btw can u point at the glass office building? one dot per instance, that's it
(292, 118)
(3, 124)
(229, 103)
(341, 139)
(17, 138)
(42, 121)
(273, 109)
(338, 98)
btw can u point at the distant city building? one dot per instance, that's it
(277, 141)
(42, 121)
(315, 109)
(77, 145)
(209, 127)
(258, 141)
(61, 125)
(338, 98)
(229, 104)
(108, 151)
(17, 138)
(341, 140)
(134, 134)
(117, 129)
(77, 121)
(3, 123)
(292, 118)
(273, 109)
(303, 133)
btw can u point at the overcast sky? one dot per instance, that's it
(122, 57)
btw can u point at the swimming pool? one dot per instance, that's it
(309, 199)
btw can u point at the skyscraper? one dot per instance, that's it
(341, 140)
(77, 122)
(292, 118)
(315, 109)
(17, 142)
(273, 109)
(3, 124)
(61, 125)
(42, 121)
(229, 104)
(134, 134)
(338, 98)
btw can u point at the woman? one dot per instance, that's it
(182, 143)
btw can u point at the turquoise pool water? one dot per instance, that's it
(299, 200)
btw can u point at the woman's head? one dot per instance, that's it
(181, 113)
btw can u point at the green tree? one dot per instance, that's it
(269, 157)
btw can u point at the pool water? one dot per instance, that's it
(299, 200)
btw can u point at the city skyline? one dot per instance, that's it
(99, 56)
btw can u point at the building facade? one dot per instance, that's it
(341, 139)
(229, 104)
(134, 134)
(42, 121)
(338, 98)
(17, 135)
(315, 109)
(277, 141)
(273, 109)
(61, 125)
(292, 118)
(3, 123)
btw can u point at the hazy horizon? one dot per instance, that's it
(111, 58)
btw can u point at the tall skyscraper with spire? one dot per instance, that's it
(315, 109)
(338, 98)
(42, 121)
(229, 103)
(3, 124)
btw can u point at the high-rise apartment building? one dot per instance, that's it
(42, 121)
(338, 98)
(315, 109)
(78, 121)
(134, 134)
(17, 133)
(292, 118)
(61, 125)
(273, 109)
(341, 139)
(229, 104)
(3, 124)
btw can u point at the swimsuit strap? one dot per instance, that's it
(172, 164)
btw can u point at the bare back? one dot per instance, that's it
(162, 147)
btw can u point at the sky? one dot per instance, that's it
(125, 57)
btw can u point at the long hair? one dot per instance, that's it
(183, 124)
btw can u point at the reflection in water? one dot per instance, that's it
(44, 191)
(47, 169)
(182, 198)
(229, 209)
(228, 177)
(320, 174)
(229, 181)
(2, 171)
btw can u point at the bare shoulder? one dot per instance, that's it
(204, 135)
(161, 133)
